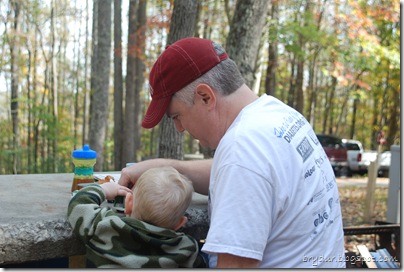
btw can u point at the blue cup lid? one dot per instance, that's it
(85, 153)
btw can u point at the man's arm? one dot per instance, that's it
(232, 261)
(197, 171)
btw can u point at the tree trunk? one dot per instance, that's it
(299, 86)
(14, 53)
(99, 110)
(129, 128)
(393, 110)
(118, 86)
(292, 85)
(353, 123)
(140, 59)
(328, 106)
(135, 80)
(311, 89)
(181, 26)
(30, 104)
(54, 88)
(244, 36)
(34, 101)
(375, 126)
(312, 84)
(394, 119)
(76, 92)
(94, 55)
(85, 92)
(270, 80)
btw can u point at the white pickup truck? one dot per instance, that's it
(359, 159)
(384, 161)
(354, 154)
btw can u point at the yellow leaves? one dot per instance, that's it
(338, 73)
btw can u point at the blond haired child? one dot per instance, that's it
(147, 236)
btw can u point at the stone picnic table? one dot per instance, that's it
(33, 220)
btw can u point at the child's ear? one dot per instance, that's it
(128, 203)
(182, 222)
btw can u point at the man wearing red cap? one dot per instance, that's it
(273, 197)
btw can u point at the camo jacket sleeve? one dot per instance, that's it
(84, 211)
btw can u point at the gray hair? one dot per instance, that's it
(225, 78)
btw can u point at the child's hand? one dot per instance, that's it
(113, 189)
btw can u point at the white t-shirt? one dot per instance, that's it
(273, 195)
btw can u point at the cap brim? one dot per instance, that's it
(155, 112)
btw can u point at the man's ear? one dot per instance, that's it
(182, 222)
(205, 94)
(128, 203)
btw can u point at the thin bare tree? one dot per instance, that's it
(14, 106)
(118, 85)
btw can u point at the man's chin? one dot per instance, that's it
(207, 146)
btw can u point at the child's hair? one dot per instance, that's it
(161, 196)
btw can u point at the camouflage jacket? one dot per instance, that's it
(116, 242)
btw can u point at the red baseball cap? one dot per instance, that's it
(180, 64)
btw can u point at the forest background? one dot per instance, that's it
(76, 72)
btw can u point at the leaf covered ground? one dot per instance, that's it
(353, 200)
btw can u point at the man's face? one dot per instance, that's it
(191, 118)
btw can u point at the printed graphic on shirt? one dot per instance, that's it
(322, 219)
(313, 137)
(317, 196)
(305, 149)
(319, 161)
(310, 172)
(312, 168)
(290, 125)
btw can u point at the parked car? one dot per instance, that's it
(384, 161)
(336, 153)
(354, 153)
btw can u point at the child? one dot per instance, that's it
(147, 236)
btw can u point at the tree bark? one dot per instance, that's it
(94, 55)
(99, 110)
(135, 80)
(292, 84)
(181, 26)
(299, 86)
(14, 106)
(118, 86)
(140, 65)
(129, 128)
(54, 88)
(244, 36)
(329, 109)
(85, 92)
(270, 79)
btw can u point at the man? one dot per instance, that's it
(273, 197)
